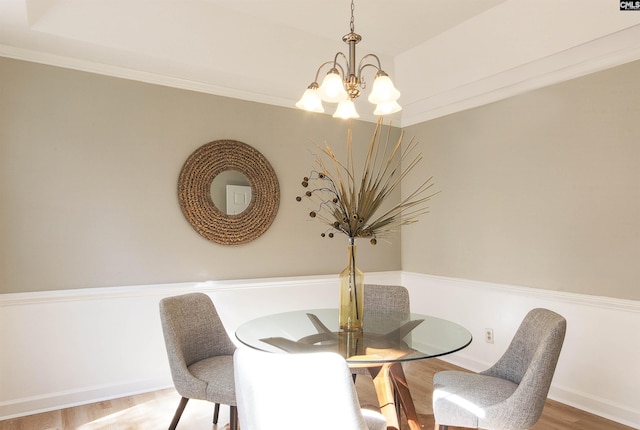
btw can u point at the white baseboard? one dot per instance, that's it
(69, 398)
(597, 405)
(95, 336)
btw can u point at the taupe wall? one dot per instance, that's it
(88, 184)
(540, 190)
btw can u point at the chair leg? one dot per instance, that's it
(178, 414)
(233, 418)
(216, 412)
(396, 401)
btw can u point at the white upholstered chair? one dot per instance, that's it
(310, 391)
(511, 394)
(200, 353)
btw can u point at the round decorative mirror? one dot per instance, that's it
(243, 185)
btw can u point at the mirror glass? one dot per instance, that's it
(231, 192)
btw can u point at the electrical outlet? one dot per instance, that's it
(488, 335)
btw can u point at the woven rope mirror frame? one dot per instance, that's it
(194, 192)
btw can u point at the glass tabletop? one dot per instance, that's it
(382, 340)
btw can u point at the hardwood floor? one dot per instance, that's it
(155, 410)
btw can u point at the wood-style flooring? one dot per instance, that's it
(154, 410)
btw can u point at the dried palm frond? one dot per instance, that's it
(350, 202)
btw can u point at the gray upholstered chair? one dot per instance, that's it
(311, 391)
(511, 394)
(384, 304)
(200, 353)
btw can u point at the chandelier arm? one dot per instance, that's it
(362, 66)
(320, 68)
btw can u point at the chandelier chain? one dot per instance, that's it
(352, 26)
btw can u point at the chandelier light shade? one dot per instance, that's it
(387, 108)
(310, 100)
(383, 90)
(346, 109)
(343, 83)
(332, 89)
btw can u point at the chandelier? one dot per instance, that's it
(344, 82)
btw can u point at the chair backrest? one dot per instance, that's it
(530, 361)
(537, 343)
(310, 391)
(192, 332)
(385, 304)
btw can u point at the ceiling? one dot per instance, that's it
(443, 55)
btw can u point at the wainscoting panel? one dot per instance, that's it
(70, 347)
(64, 348)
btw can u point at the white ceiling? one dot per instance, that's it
(443, 55)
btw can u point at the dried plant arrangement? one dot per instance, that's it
(350, 200)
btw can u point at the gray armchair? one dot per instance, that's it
(511, 394)
(385, 303)
(200, 353)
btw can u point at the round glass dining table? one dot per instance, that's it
(381, 347)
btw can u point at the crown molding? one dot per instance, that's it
(613, 50)
(600, 54)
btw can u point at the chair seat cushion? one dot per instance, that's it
(374, 420)
(217, 372)
(460, 398)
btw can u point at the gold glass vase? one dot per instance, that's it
(351, 293)
(350, 343)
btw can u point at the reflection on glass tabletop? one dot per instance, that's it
(382, 340)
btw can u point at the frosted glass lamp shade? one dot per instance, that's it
(310, 101)
(387, 108)
(346, 110)
(383, 90)
(332, 88)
